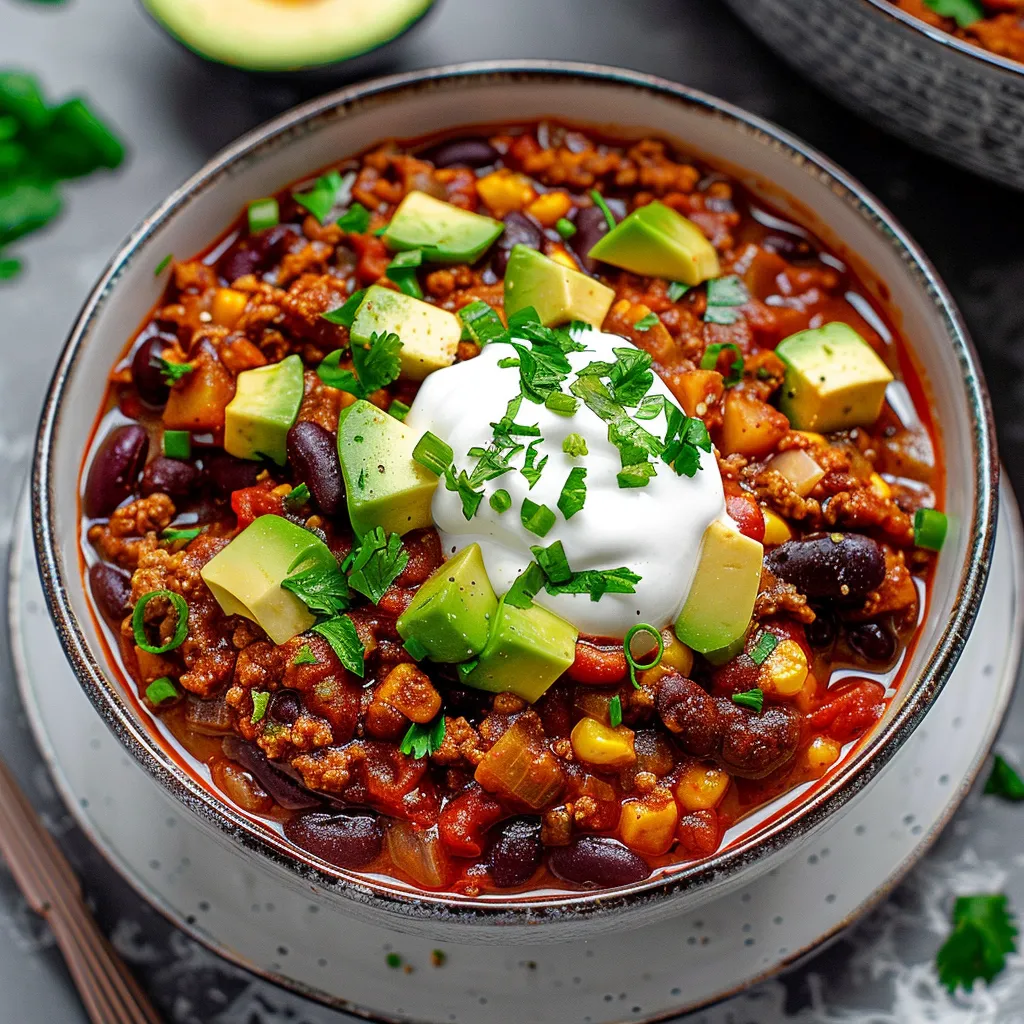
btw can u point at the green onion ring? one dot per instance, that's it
(634, 665)
(139, 626)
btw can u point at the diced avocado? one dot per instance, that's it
(721, 600)
(452, 612)
(527, 650)
(268, 35)
(384, 485)
(656, 241)
(558, 293)
(444, 233)
(265, 406)
(834, 379)
(430, 335)
(245, 577)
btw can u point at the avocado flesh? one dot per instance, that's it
(282, 35)
(442, 232)
(721, 599)
(452, 612)
(527, 650)
(430, 335)
(265, 406)
(656, 241)
(558, 293)
(384, 485)
(834, 379)
(245, 577)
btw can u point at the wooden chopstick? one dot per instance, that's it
(109, 992)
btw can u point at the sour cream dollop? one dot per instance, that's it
(655, 530)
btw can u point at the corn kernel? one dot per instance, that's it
(821, 754)
(649, 825)
(811, 436)
(549, 207)
(561, 256)
(879, 486)
(701, 788)
(228, 306)
(785, 670)
(776, 529)
(504, 191)
(600, 744)
(676, 654)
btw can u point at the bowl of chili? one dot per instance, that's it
(331, 723)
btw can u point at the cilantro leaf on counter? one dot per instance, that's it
(1004, 781)
(376, 365)
(964, 12)
(424, 740)
(340, 633)
(983, 934)
(377, 563)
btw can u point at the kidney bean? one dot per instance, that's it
(114, 470)
(519, 230)
(835, 565)
(689, 712)
(227, 474)
(597, 861)
(464, 153)
(313, 454)
(821, 633)
(753, 746)
(111, 589)
(872, 641)
(255, 253)
(346, 840)
(169, 476)
(288, 793)
(516, 852)
(285, 707)
(146, 376)
(590, 226)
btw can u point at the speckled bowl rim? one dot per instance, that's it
(438, 909)
(943, 38)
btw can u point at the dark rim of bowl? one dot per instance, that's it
(944, 38)
(377, 892)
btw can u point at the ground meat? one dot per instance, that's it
(775, 597)
(131, 530)
(864, 509)
(775, 491)
(321, 404)
(897, 593)
(330, 770)
(303, 305)
(462, 745)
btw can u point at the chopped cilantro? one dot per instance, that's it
(964, 12)
(173, 372)
(378, 562)
(531, 469)
(983, 933)
(376, 365)
(763, 647)
(553, 562)
(324, 590)
(630, 376)
(482, 323)
(685, 438)
(424, 740)
(402, 270)
(345, 313)
(753, 699)
(725, 294)
(525, 586)
(597, 583)
(538, 519)
(260, 700)
(709, 361)
(323, 196)
(1004, 781)
(172, 535)
(650, 408)
(645, 323)
(340, 633)
(355, 220)
(470, 495)
(297, 497)
(305, 656)
(564, 405)
(574, 492)
(575, 446)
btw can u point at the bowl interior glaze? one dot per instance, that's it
(622, 103)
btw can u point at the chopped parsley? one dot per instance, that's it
(1004, 781)
(340, 633)
(651, 407)
(500, 501)
(964, 12)
(709, 361)
(538, 519)
(424, 740)
(686, 437)
(376, 365)
(305, 656)
(984, 932)
(766, 643)
(597, 583)
(345, 313)
(645, 323)
(324, 590)
(297, 497)
(355, 220)
(615, 711)
(574, 492)
(725, 294)
(260, 700)
(377, 563)
(531, 469)
(173, 372)
(752, 699)
(575, 446)
(469, 495)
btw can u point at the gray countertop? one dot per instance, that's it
(175, 112)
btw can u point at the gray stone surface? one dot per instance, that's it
(175, 112)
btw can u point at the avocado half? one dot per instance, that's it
(285, 35)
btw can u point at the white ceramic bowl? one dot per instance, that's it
(773, 164)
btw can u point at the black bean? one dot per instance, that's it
(873, 642)
(115, 469)
(789, 246)
(227, 474)
(346, 840)
(313, 454)
(255, 253)
(285, 791)
(285, 706)
(821, 633)
(146, 376)
(835, 565)
(169, 476)
(597, 862)
(753, 746)
(516, 852)
(519, 230)
(464, 153)
(591, 224)
(111, 589)
(689, 712)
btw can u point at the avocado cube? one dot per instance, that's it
(527, 650)
(442, 232)
(656, 241)
(430, 335)
(385, 486)
(452, 612)
(245, 577)
(558, 293)
(721, 599)
(834, 379)
(265, 406)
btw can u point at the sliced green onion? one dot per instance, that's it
(538, 519)
(163, 264)
(676, 290)
(564, 405)
(615, 711)
(355, 220)
(346, 313)
(500, 501)
(263, 214)
(634, 665)
(753, 699)
(297, 497)
(260, 700)
(930, 526)
(709, 361)
(161, 690)
(766, 643)
(402, 270)
(482, 323)
(603, 207)
(415, 649)
(433, 453)
(398, 409)
(565, 227)
(575, 445)
(177, 444)
(139, 624)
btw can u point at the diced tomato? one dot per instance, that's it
(252, 502)
(747, 513)
(699, 833)
(465, 819)
(373, 257)
(850, 710)
(598, 666)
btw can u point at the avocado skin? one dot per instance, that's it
(264, 409)
(558, 293)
